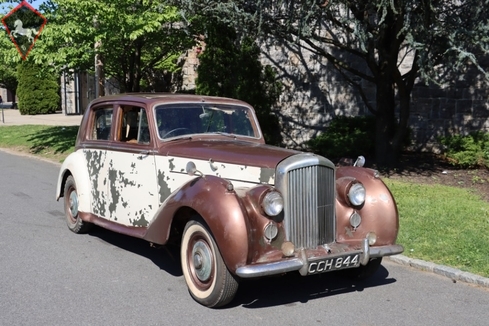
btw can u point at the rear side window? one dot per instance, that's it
(102, 124)
(134, 127)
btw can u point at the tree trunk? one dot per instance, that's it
(385, 153)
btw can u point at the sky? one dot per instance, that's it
(4, 7)
(36, 3)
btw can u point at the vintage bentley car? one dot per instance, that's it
(195, 170)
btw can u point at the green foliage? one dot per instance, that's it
(230, 67)
(37, 90)
(137, 43)
(368, 43)
(467, 151)
(346, 137)
(8, 78)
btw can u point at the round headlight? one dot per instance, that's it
(356, 194)
(273, 203)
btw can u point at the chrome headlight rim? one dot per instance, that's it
(272, 203)
(356, 194)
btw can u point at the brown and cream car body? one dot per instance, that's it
(196, 169)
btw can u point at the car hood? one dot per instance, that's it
(233, 152)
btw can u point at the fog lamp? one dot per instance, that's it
(372, 238)
(288, 249)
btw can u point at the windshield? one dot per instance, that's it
(186, 119)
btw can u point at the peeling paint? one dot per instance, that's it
(267, 175)
(240, 175)
(114, 194)
(164, 189)
(141, 221)
(96, 164)
(130, 190)
(130, 179)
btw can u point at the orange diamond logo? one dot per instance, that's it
(24, 25)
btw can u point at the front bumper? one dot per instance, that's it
(301, 263)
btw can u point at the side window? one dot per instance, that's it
(134, 126)
(102, 123)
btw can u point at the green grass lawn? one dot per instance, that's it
(50, 142)
(442, 224)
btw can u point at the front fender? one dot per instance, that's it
(75, 165)
(219, 207)
(379, 212)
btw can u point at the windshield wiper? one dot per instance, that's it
(180, 138)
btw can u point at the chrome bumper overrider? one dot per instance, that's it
(300, 264)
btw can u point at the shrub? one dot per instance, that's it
(467, 151)
(37, 90)
(346, 137)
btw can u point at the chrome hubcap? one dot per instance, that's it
(202, 260)
(73, 204)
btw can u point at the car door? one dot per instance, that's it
(132, 183)
(95, 153)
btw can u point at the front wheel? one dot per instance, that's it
(74, 222)
(207, 277)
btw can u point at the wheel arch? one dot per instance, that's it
(379, 213)
(75, 166)
(220, 208)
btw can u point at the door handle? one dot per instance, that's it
(143, 154)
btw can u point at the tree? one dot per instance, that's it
(38, 89)
(367, 41)
(135, 39)
(230, 67)
(8, 80)
(9, 56)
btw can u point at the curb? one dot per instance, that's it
(446, 271)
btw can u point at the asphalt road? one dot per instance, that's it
(51, 276)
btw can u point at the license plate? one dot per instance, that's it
(333, 264)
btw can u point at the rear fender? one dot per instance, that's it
(75, 165)
(219, 207)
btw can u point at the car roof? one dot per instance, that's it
(152, 98)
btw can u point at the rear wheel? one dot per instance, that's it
(73, 220)
(364, 272)
(207, 277)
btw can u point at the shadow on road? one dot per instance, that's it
(289, 289)
(166, 258)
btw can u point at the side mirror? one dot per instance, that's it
(192, 169)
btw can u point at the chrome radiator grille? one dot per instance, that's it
(309, 195)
